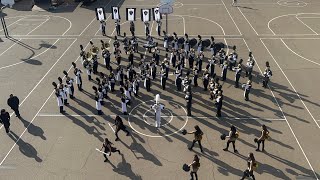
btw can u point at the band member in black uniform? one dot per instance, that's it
(117, 23)
(164, 77)
(266, 77)
(165, 41)
(195, 77)
(224, 71)
(191, 58)
(247, 88)
(205, 79)
(119, 126)
(188, 98)
(159, 23)
(218, 103)
(132, 28)
(238, 75)
(179, 83)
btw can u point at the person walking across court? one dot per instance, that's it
(5, 120)
(119, 126)
(195, 165)
(232, 137)
(263, 137)
(13, 102)
(252, 164)
(197, 137)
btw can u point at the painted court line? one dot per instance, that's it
(13, 23)
(41, 106)
(9, 48)
(231, 17)
(306, 25)
(139, 116)
(291, 85)
(314, 173)
(298, 54)
(111, 127)
(248, 22)
(38, 26)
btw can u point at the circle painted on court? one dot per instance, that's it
(174, 5)
(292, 3)
(145, 117)
(135, 120)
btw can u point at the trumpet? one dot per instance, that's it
(105, 46)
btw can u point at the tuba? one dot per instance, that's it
(94, 50)
(89, 56)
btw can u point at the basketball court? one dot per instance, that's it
(47, 145)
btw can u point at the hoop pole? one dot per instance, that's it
(167, 23)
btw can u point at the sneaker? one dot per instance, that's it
(235, 151)
(128, 134)
(257, 150)
(225, 149)
(117, 139)
(106, 160)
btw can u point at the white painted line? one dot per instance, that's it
(203, 19)
(13, 23)
(164, 116)
(9, 48)
(231, 17)
(310, 17)
(34, 19)
(4, 67)
(292, 38)
(38, 26)
(102, 152)
(314, 173)
(306, 25)
(151, 29)
(146, 5)
(111, 127)
(248, 22)
(294, 89)
(298, 54)
(42, 104)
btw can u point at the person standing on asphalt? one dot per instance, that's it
(252, 164)
(232, 139)
(5, 120)
(108, 149)
(13, 102)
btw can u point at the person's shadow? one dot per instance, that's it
(124, 168)
(32, 129)
(25, 148)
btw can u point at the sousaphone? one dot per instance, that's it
(94, 51)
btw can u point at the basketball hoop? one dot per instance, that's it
(166, 9)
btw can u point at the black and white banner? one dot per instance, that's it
(100, 14)
(145, 15)
(131, 14)
(157, 16)
(115, 12)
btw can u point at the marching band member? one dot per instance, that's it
(218, 103)
(247, 88)
(249, 66)
(147, 28)
(59, 100)
(153, 69)
(205, 79)
(157, 107)
(117, 23)
(191, 58)
(77, 72)
(212, 48)
(98, 100)
(147, 82)
(188, 99)
(199, 44)
(266, 77)
(165, 41)
(210, 66)
(237, 75)
(158, 28)
(124, 102)
(112, 81)
(163, 80)
(199, 60)
(132, 28)
(224, 71)
(195, 77)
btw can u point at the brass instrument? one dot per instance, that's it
(89, 56)
(94, 50)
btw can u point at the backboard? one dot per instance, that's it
(167, 1)
(166, 9)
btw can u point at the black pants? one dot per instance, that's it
(248, 173)
(7, 127)
(237, 81)
(103, 30)
(265, 82)
(261, 141)
(233, 144)
(218, 112)
(61, 109)
(80, 86)
(189, 109)
(246, 95)
(132, 33)
(118, 30)
(16, 111)
(123, 128)
(195, 174)
(193, 142)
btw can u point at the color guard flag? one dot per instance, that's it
(131, 14)
(157, 16)
(100, 14)
(115, 13)
(145, 15)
